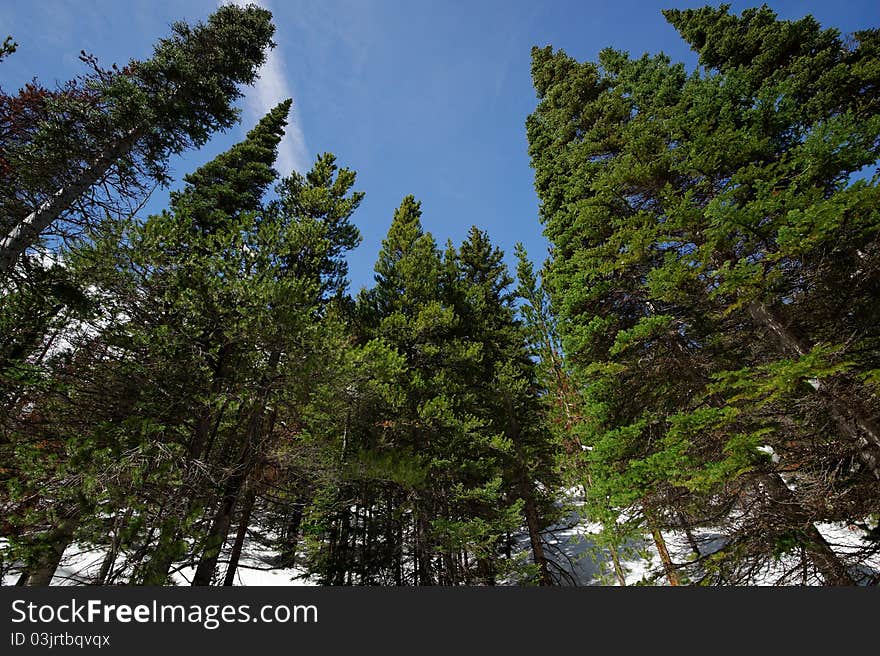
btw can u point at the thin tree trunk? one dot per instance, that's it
(156, 570)
(29, 229)
(395, 539)
(618, 568)
(463, 566)
(526, 493)
(487, 570)
(254, 434)
(217, 533)
(207, 424)
(423, 572)
(668, 565)
(113, 551)
(238, 545)
(107, 564)
(804, 569)
(538, 555)
(343, 563)
(291, 535)
(449, 577)
(660, 543)
(356, 559)
(360, 519)
(691, 538)
(369, 540)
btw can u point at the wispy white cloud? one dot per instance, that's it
(271, 88)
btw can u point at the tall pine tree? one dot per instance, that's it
(694, 220)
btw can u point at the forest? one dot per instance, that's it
(690, 381)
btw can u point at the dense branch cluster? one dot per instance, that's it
(715, 267)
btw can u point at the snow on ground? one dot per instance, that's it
(577, 553)
(80, 565)
(572, 545)
(254, 568)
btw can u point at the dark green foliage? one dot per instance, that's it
(714, 266)
(212, 305)
(7, 47)
(451, 460)
(700, 354)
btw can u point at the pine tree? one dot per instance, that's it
(508, 391)
(405, 310)
(299, 270)
(440, 474)
(125, 124)
(694, 220)
(224, 297)
(178, 304)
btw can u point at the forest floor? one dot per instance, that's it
(571, 545)
(574, 548)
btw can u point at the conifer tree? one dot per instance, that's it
(458, 463)
(694, 219)
(507, 390)
(177, 305)
(121, 126)
(405, 309)
(302, 238)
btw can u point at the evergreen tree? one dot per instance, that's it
(694, 219)
(178, 304)
(305, 234)
(508, 391)
(121, 126)
(442, 473)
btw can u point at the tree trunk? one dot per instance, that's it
(449, 574)
(217, 533)
(691, 538)
(526, 493)
(41, 571)
(222, 519)
(618, 568)
(107, 564)
(254, 435)
(424, 575)
(291, 534)
(852, 422)
(207, 423)
(113, 551)
(538, 555)
(819, 551)
(342, 562)
(156, 570)
(668, 565)
(394, 538)
(29, 229)
(486, 568)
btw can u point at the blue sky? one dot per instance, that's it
(422, 97)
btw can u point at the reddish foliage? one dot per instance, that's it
(22, 114)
